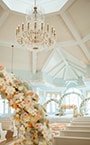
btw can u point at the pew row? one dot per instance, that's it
(7, 130)
(80, 123)
(2, 133)
(71, 141)
(75, 133)
(78, 127)
(7, 125)
(81, 119)
(65, 141)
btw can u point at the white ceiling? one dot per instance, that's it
(68, 61)
(48, 6)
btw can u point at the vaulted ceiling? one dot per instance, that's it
(68, 62)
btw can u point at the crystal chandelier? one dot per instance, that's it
(35, 34)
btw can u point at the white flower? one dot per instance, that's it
(29, 116)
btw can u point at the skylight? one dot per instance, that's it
(21, 6)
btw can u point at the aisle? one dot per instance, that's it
(60, 119)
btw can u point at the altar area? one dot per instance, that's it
(67, 130)
(30, 123)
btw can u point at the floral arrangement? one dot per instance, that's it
(30, 118)
(83, 105)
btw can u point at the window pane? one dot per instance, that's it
(1, 106)
(6, 107)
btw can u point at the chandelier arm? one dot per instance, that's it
(35, 34)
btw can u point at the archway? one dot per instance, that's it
(64, 107)
(49, 101)
(82, 106)
(72, 103)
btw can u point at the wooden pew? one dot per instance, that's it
(81, 119)
(66, 141)
(71, 141)
(78, 127)
(75, 133)
(7, 130)
(7, 125)
(80, 123)
(2, 133)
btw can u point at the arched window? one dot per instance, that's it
(5, 110)
(88, 104)
(73, 96)
(52, 106)
(87, 108)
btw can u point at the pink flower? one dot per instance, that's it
(27, 101)
(1, 67)
(31, 93)
(38, 125)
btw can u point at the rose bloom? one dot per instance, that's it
(1, 67)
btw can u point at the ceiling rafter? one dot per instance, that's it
(4, 44)
(56, 71)
(62, 56)
(70, 71)
(59, 71)
(86, 38)
(67, 43)
(55, 67)
(67, 66)
(74, 59)
(67, 5)
(78, 68)
(72, 68)
(4, 6)
(48, 59)
(73, 30)
(3, 18)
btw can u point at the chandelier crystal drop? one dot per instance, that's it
(34, 34)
